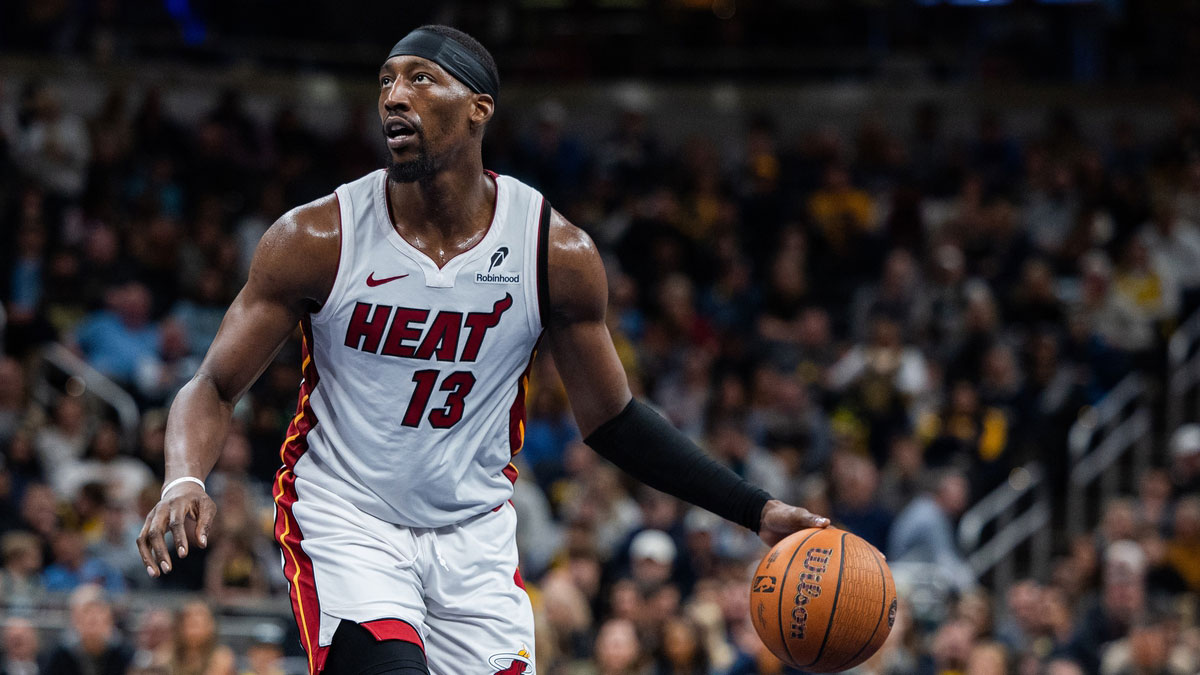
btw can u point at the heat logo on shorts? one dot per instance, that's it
(512, 664)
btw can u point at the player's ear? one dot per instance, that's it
(482, 109)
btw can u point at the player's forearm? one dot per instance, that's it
(647, 447)
(196, 429)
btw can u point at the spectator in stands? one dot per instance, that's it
(74, 567)
(1110, 316)
(1149, 648)
(1185, 459)
(1121, 603)
(122, 476)
(1173, 242)
(20, 648)
(1154, 503)
(1033, 303)
(21, 576)
(111, 546)
(160, 377)
(618, 650)
(117, 339)
(1147, 284)
(93, 645)
(879, 379)
(200, 314)
(843, 213)
(856, 504)
(899, 293)
(196, 649)
(152, 643)
(924, 531)
(264, 655)
(1183, 549)
(988, 658)
(39, 512)
(22, 466)
(901, 477)
(52, 146)
(16, 409)
(64, 440)
(681, 650)
(729, 443)
(28, 271)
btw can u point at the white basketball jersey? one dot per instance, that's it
(413, 400)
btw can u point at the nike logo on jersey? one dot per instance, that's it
(373, 282)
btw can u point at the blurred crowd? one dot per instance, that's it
(879, 323)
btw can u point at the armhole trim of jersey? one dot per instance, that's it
(543, 256)
(343, 202)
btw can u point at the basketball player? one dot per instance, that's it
(422, 291)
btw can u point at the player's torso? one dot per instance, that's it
(420, 396)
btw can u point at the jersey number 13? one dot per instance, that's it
(456, 385)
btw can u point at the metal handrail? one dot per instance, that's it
(1103, 413)
(1020, 483)
(97, 384)
(1015, 525)
(1183, 369)
(1123, 431)
(1030, 525)
(1088, 468)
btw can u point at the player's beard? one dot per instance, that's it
(412, 170)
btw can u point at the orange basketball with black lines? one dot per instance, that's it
(823, 600)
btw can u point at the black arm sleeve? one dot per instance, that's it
(647, 447)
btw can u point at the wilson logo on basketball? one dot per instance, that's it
(808, 588)
(764, 584)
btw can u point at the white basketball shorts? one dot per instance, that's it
(454, 590)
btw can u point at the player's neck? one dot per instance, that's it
(452, 203)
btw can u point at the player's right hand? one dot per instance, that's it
(184, 503)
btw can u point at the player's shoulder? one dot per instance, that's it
(578, 287)
(300, 252)
(307, 230)
(569, 245)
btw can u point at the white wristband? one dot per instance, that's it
(177, 481)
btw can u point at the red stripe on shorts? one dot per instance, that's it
(297, 566)
(394, 629)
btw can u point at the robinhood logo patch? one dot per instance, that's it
(497, 278)
(492, 275)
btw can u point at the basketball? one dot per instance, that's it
(823, 600)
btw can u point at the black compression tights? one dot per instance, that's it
(354, 651)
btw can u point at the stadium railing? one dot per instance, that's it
(1110, 445)
(1183, 373)
(61, 371)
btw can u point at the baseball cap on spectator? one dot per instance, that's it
(1185, 442)
(653, 544)
(1125, 558)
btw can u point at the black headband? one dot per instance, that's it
(450, 55)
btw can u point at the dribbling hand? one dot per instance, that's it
(175, 513)
(779, 520)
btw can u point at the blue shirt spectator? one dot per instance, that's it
(115, 341)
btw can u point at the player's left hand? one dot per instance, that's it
(779, 520)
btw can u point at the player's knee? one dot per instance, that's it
(356, 651)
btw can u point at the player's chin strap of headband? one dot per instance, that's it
(450, 55)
